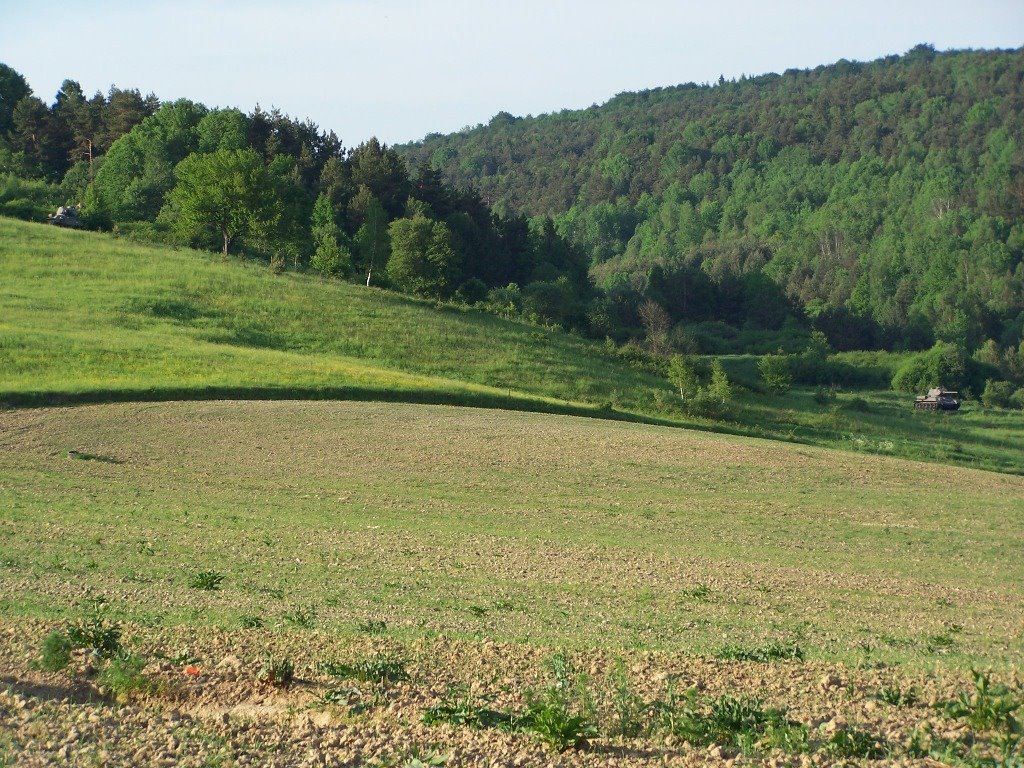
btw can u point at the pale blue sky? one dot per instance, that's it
(400, 69)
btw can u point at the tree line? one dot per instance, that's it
(277, 188)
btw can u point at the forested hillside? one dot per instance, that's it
(877, 203)
(880, 201)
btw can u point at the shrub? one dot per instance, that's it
(1017, 399)
(56, 652)
(824, 396)
(473, 291)
(997, 394)
(277, 672)
(944, 365)
(507, 301)
(123, 678)
(776, 373)
(857, 404)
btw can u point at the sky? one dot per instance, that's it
(400, 69)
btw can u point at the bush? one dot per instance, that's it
(123, 678)
(22, 208)
(776, 373)
(997, 394)
(944, 365)
(473, 291)
(635, 356)
(857, 404)
(824, 396)
(56, 653)
(27, 198)
(507, 301)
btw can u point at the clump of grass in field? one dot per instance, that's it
(562, 715)
(278, 672)
(56, 652)
(630, 712)
(372, 627)
(123, 678)
(699, 592)
(897, 697)
(990, 706)
(95, 632)
(120, 675)
(251, 621)
(343, 695)
(772, 651)
(727, 721)
(207, 581)
(458, 707)
(303, 617)
(413, 758)
(379, 669)
(854, 743)
(940, 643)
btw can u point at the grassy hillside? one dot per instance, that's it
(88, 318)
(225, 544)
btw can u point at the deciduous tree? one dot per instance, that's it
(423, 260)
(228, 191)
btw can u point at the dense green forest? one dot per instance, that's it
(879, 201)
(855, 206)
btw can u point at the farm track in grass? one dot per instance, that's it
(467, 546)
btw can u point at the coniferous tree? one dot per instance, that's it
(330, 256)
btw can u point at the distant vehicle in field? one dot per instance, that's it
(938, 399)
(66, 216)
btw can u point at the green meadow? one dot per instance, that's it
(91, 318)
